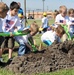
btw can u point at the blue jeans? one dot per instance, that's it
(47, 42)
(71, 34)
(22, 46)
(21, 50)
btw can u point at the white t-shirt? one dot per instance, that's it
(1, 23)
(22, 25)
(10, 23)
(25, 38)
(45, 22)
(72, 26)
(61, 19)
(21, 39)
(51, 36)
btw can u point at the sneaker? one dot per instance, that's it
(1, 59)
(2, 63)
(9, 61)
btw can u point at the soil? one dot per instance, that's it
(56, 57)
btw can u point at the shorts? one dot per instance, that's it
(1, 40)
(45, 29)
(8, 43)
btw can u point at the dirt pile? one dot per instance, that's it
(55, 57)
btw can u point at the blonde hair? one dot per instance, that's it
(61, 8)
(60, 30)
(3, 7)
(70, 11)
(52, 27)
(34, 27)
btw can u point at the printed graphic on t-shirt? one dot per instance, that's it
(62, 21)
(72, 21)
(8, 24)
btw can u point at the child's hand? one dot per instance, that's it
(11, 35)
(64, 22)
(16, 30)
(30, 48)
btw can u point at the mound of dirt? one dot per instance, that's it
(56, 57)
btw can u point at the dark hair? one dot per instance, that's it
(14, 5)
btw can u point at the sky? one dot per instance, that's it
(48, 4)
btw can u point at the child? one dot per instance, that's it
(11, 24)
(23, 40)
(3, 11)
(62, 19)
(33, 30)
(54, 35)
(71, 17)
(45, 23)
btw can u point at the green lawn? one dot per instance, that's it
(61, 72)
(38, 41)
(39, 22)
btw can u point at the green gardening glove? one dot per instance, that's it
(34, 48)
(66, 31)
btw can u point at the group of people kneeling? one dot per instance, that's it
(55, 31)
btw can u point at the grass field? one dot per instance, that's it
(37, 38)
(51, 21)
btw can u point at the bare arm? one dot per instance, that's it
(60, 23)
(72, 24)
(29, 46)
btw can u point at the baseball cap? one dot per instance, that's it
(44, 13)
(20, 15)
